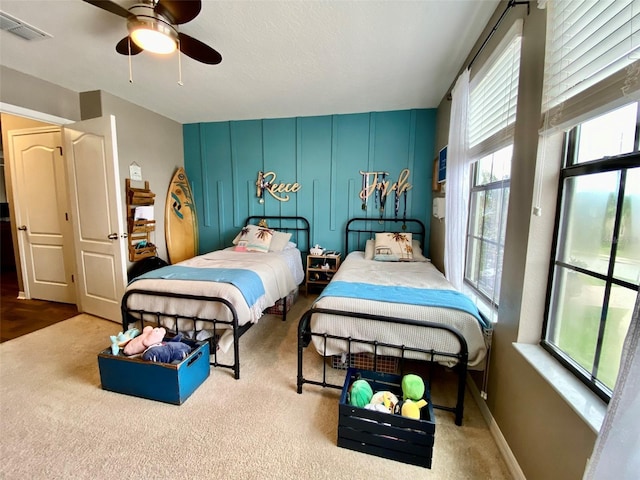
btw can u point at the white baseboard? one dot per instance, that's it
(503, 446)
(22, 296)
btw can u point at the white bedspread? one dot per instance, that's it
(412, 274)
(279, 272)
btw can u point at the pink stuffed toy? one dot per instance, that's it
(148, 337)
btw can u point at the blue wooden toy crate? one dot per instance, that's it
(382, 434)
(165, 382)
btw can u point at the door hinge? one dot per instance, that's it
(60, 148)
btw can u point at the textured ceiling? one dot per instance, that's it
(280, 58)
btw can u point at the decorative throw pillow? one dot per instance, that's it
(393, 247)
(279, 241)
(417, 251)
(257, 239)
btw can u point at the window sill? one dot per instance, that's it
(582, 400)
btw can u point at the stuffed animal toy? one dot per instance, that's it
(148, 337)
(360, 393)
(167, 352)
(411, 409)
(386, 399)
(120, 340)
(412, 387)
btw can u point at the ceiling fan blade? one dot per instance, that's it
(123, 46)
(179, 11)
(198, 51)
(109, 7)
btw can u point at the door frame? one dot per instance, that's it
(28, 113)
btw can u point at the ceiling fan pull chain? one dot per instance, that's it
(130, 70)
(179, 66)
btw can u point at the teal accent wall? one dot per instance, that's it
(322, 154)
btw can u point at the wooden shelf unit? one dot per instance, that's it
(318, 276)
(139, 230)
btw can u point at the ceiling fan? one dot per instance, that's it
(153, 26)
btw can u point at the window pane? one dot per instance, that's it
(488, 268)
(473, 255)
(621, 303)
(493, 208)
(627, 266)
(483, 171)
(577, 309)
(475, 213)
(608, 135)
(502, 163)
(505, 205)
(494, 167)
(587, 224)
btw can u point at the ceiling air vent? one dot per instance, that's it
(20, 28)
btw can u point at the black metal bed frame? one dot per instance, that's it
(298, 226)
(305, 335)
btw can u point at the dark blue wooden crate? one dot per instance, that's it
(165, 382)
(386, 435)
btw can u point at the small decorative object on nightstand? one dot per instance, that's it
(320, 269)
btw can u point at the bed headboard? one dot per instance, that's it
(359, 230)
(297, 226)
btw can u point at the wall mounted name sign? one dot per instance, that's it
(279, 191)
(376, 184)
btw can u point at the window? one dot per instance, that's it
(488, 204)
(595, 269)
(492, 113)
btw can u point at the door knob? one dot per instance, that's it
(113, 236)
(22, 227)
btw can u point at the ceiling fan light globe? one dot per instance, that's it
(153, 35)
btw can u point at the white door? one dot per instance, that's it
(99, 236)
(41, 201)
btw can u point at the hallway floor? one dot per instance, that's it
(19, 317)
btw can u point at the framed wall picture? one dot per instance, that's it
(442, 165)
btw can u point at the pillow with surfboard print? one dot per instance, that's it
(253, 238)
(393, 247)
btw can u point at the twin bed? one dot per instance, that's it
(386, 300)
(218, 296)
(386, 304)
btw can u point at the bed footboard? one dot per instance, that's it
(305, 335)
(132, 317)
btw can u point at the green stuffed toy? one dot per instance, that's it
(360, 393)
(412, 387)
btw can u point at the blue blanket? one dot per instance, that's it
(247, 281)
(407, 295)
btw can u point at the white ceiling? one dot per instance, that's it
(279, 58)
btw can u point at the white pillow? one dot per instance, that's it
(417, 252)
(369, 249)
(290, 245)
(279, 241)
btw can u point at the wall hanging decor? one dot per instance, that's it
(376, 184)
(267, 182)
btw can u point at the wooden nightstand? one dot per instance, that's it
(316, 275)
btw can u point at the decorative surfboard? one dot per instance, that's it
(180, 220)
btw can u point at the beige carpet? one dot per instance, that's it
(57, 423)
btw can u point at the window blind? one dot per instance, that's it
(493, 101)
(587, 41)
